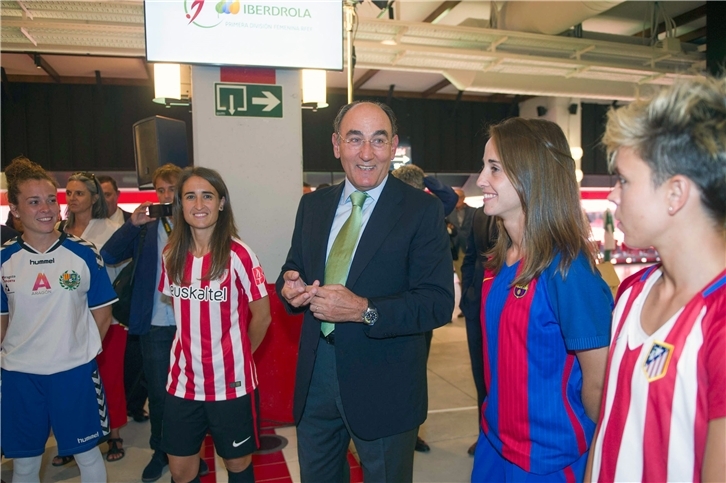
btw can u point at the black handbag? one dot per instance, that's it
(124, 287)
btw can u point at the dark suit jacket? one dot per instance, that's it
(482, 237)
(462, 228)
(403, 266)
(124, 244)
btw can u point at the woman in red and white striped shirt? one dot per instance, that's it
(663, 415)
(222, 312)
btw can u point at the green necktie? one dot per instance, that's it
(336, 269)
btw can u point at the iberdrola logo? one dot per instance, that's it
(70, 280)
(194, 8)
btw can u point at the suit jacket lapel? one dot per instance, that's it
(382, 220)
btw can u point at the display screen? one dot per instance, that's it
(295, 34)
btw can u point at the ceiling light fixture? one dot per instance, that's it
(314, 86)
(169, 87)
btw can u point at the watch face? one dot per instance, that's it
(371, 316)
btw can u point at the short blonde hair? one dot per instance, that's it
(680, 130)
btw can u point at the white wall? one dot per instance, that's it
(260, 160)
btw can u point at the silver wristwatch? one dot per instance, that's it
(370, 315)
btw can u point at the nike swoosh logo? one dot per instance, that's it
(235, 444)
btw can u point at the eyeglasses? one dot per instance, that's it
(357, 142)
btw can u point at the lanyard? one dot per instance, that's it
(167, 226)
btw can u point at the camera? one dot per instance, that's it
(159, 210)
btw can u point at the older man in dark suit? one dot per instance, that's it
(370, 267)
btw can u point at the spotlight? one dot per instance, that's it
(541, 111)
(572, 109)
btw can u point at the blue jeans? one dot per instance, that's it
(155, 351)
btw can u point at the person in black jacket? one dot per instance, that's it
(481, 238)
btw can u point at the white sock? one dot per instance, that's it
(93, 470)
(27, 470)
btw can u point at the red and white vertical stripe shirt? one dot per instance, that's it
(211, 357)
(661, 390)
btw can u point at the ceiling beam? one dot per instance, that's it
(441, 9)
(690, 16)
(365, 78)
(693, 35)
(435, 88)
(107, 81)
(503, 98)
(41, 63)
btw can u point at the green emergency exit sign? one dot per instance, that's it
(248, 100)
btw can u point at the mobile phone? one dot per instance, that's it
(159, 210)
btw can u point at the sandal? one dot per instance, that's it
(114, 448)
(62, 460)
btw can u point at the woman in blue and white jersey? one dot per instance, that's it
(55, 310)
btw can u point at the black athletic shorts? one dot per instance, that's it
(233, 424)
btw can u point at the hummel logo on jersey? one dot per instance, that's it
(205, 294)
(235, 444)
(42, 262)
(656, 364)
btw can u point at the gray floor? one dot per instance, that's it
(450, 429)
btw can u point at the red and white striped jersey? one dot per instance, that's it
(211, 357)
(661, 390)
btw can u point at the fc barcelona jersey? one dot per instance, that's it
(533, 414)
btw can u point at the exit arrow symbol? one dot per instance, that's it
(231, 104)
(269, 100)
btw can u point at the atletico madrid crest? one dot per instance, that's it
(656, 364)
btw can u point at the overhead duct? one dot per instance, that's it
(537, 17)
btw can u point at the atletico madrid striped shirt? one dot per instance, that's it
(533, 414)
(211, 356)
(662, 389)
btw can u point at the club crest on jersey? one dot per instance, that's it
(656, 363)
(520, 290)
(259, 275)
(70, 280)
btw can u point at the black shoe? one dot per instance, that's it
(153, 470)
(472, 449)
(203, 468)
(139, 416)
(421, 445)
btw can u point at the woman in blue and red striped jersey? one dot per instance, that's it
(664, 406)
(545, 311)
